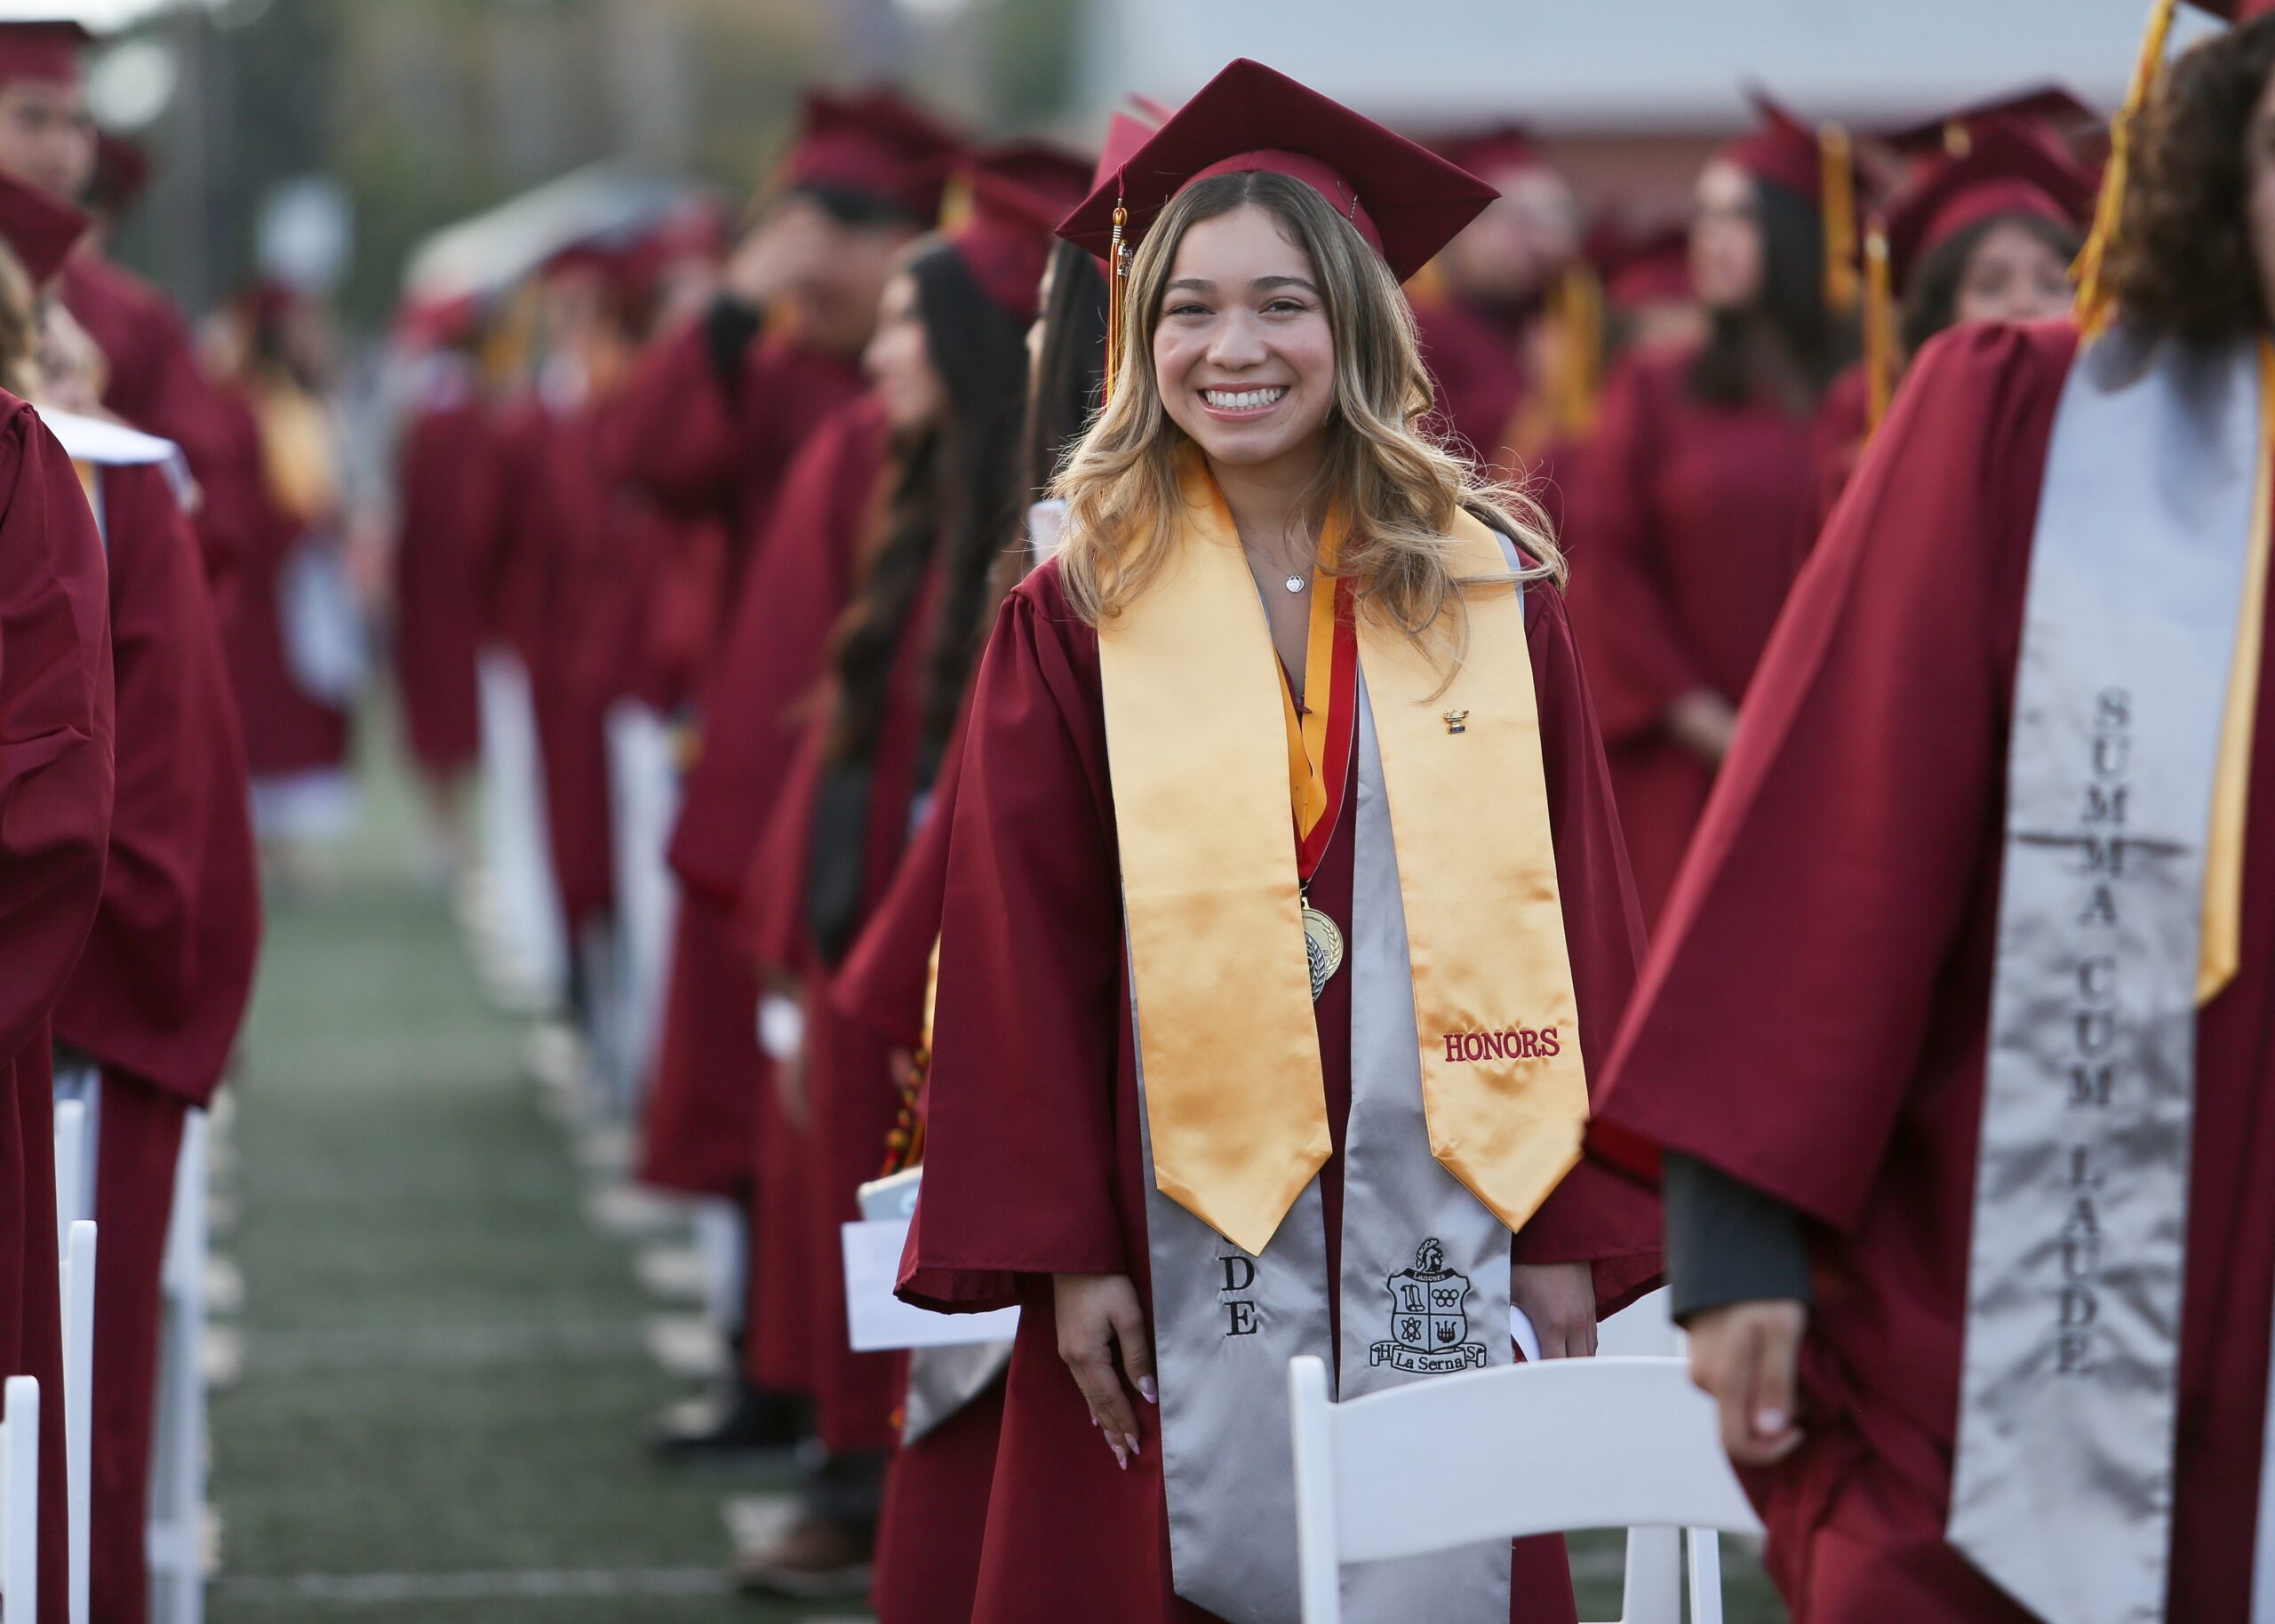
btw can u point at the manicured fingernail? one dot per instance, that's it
(1770, 1421)
(1147, 1391)
(1131, 1439)
(1094, 1421)
(1119, 1459)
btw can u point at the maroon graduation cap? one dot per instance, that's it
(2051, 108)
(42, 48)
(2239, 11)
(40, 230)
(875, 141)
(1020, 190)
(2008, 169)
(1404, 199)
(1495, 148)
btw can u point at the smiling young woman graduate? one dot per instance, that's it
(147, 1020)
(1691, 510)
(1187, 1151)
(1956, 1038)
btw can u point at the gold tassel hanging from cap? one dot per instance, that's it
(1958, 140)
(1837, 178)
(1117, 287)
(1576, 361)
(2094, 300)
(1880, 328)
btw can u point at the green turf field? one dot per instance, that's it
(444, 1381)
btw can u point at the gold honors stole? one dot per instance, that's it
(1203, 762)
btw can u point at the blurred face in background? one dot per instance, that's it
(1522, 243)
(898, 360)
(840, 281)
(47, 136)
(2012, 276)
(1725, 242)
(2259, 189)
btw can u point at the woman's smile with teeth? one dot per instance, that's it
(1244, 400)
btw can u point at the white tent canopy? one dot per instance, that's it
(500, 246)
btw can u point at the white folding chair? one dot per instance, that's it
(1493, 1454)
(19, 1498)
(70, 1163)
(77, 1270)
(176, 1537)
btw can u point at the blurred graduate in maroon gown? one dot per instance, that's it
(1955, 1042)
(447, 475)
(1689, 513)
(147, 1020)
(1245, 809)
(715, 415)
(1984, 229)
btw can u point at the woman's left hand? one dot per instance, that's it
(1559, 1299)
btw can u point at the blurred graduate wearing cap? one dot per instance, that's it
(948, 379)
(951, 1410)
(1954, 1044)
(1983, 230)
(147, 1020)
(1482, 306)
(1689, 513)
(718, 411)
(153, 378)
(1285, 634)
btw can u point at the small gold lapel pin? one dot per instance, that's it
(1456, 721)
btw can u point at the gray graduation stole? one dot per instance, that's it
(942, 1380)
(2062, 1490)
(1424, 1290)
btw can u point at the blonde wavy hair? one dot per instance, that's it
(1398, 484)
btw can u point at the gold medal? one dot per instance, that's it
(1324, 946)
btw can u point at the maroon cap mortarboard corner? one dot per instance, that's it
(2007, 169)
(42, 49)
(876, 142)
(2050, 110)
(2239, 11)
(40, 230)
(1019, 192)
(1402, 198)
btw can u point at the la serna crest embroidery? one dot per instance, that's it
(1429, 1318)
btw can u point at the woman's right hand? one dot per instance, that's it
(1746, 1355)
(1098, 1314)
(1703, 722)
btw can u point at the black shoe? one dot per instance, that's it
(756, 1419)
(814, 1559)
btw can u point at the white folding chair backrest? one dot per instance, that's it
(176, 1536)
(1601, 1443)
(70, 1164)
(78, 1279)
(19, 1498)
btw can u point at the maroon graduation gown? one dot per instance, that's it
(287, 730)
(702, 1119)
(1837, 442)
(706, 451)
(56, 782)
(157, 996)
(836, 1141)
(448, 471)
(1687, 524)
(936, 1489)
(1033, 1165)
(1813, 1019)
(155, 383)
(1478, 361)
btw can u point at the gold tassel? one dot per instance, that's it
(1880, 328)
(1958, 140)
(2094, 300)
(1117, 284)
(1579, 354)
(1838, 180)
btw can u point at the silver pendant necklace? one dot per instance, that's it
(1294, 582)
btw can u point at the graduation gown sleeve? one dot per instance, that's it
(676, 440)
(55, 722)
(1594, 1216)
(1784, 1009)
(1021, 1147)
(168, 968)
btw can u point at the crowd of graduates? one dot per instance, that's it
(738, 497)
(786, 577)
